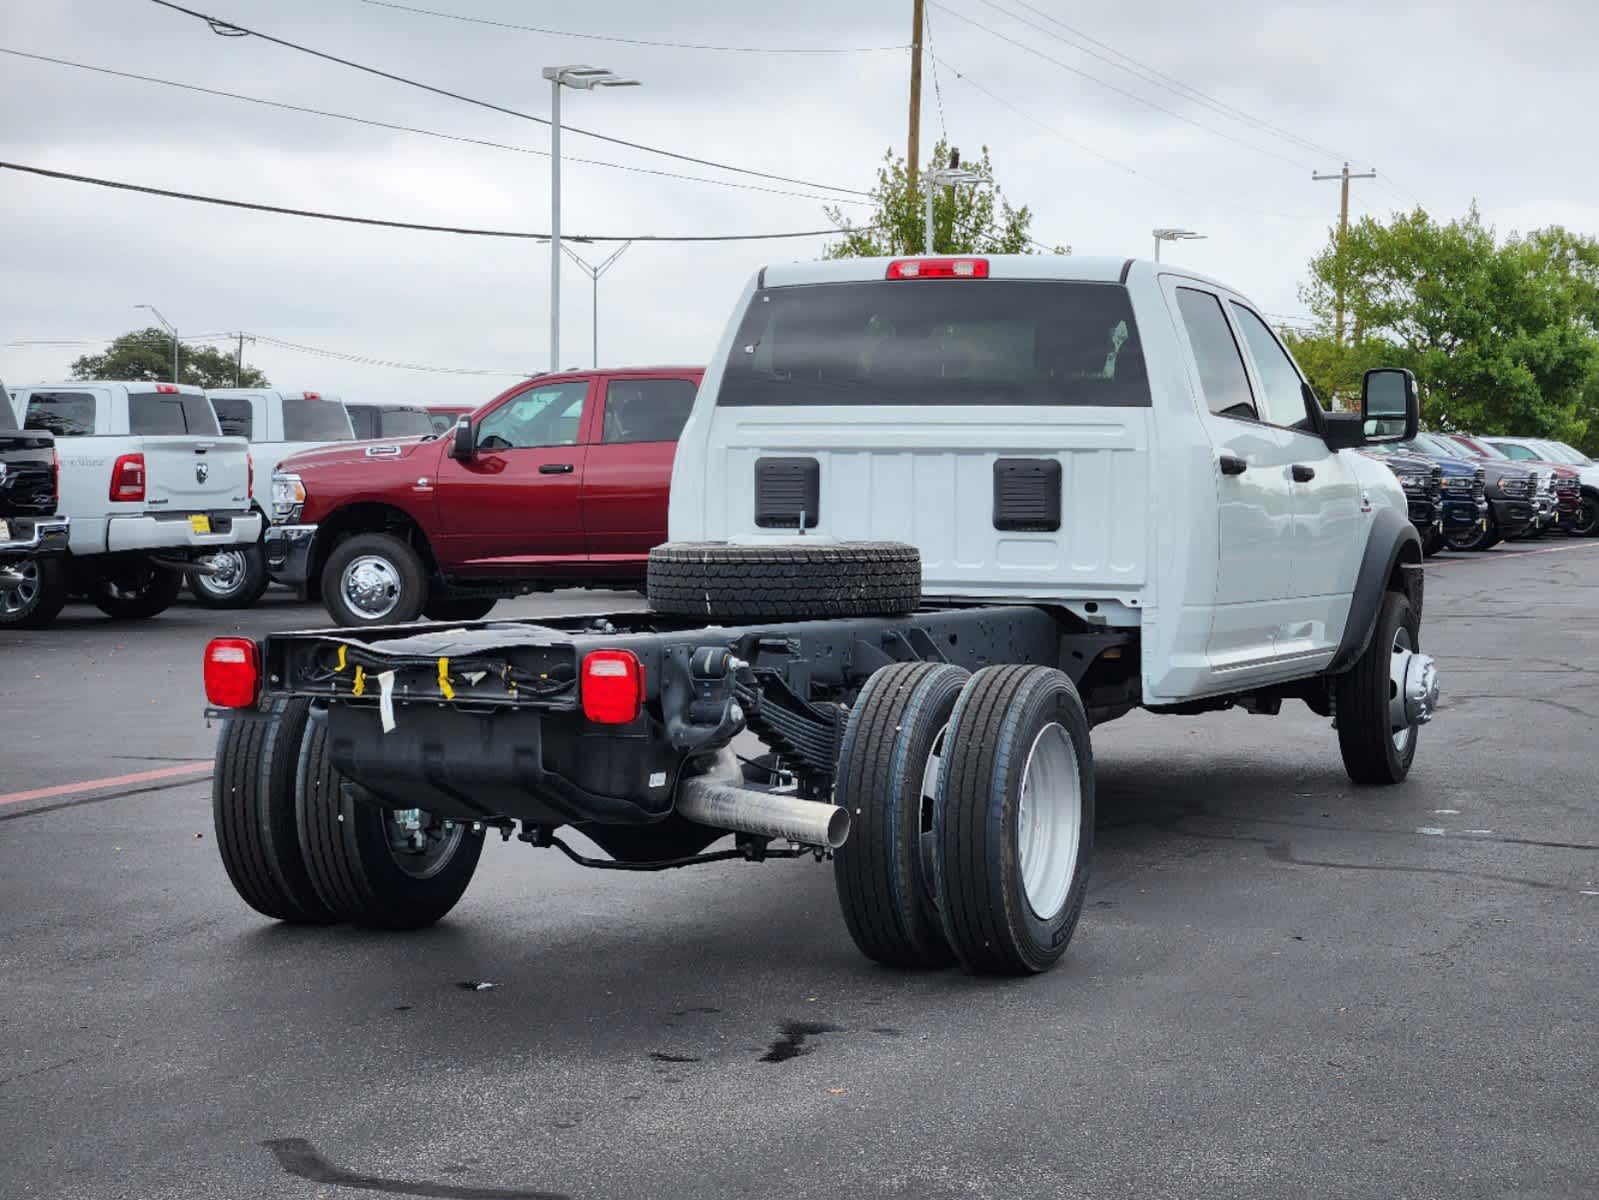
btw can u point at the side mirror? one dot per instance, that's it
(1390, 408)
(462, 442)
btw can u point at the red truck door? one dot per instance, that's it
(515, 509)
(629, 469)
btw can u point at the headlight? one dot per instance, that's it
(1458, 483)
(1413, 483)
(288, 496)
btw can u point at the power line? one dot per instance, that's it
(387, 224)
(1120, 91)
(1148, 74)
(626, 41)
(433, 133)
(1207, 198)
(221, 26)
(368, 361)
(938, 92)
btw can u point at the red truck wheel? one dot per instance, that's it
(374, 579)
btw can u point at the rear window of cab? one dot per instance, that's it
(938, 341)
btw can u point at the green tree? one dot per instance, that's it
(146, 354)
(975, 219)
(1501, 336)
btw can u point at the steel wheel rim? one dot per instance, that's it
(932, 771)
(1399, 728)
(371, 586)
(19, 597)
(1049, 815)
(230, 572)
(420, 843)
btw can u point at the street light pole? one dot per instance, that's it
(171, 328)
(952, 176)
(594, 274)
(587, 78)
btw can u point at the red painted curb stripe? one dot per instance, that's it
(196, 769)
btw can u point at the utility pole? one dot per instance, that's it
(238, 363)
(1343, 229)
(913, 140)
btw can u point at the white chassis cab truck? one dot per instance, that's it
(149, 483)
(276, 424)
(932, 520)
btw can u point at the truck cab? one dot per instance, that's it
(149, 482)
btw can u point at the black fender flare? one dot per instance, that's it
(1392, 561)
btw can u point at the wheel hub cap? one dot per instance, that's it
(19, 585)
(1412, 689)
(1048, 821)
(421, 843)
(371, 585)
(227, 571)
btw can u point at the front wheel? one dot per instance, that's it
(136, 591)
(1432, 543)
(237, 579)
(1474, 538)
(384, 868)
(1586, 521)
(32, 593)
(1382, 699)
(374, 579)
(1013, 820)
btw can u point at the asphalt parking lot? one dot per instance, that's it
(1282, 986)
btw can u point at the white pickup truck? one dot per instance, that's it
(149, 483)
(933, 520)
(276, 424)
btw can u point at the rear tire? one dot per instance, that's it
(1366, 736)
(887, 771)
(1014, 820)
(38, 596)
(135, 592)
(715, 580)
(374, 579)
(244, 581)
(353, 863)
(253, 810)
(466, 608)
(1586, 522)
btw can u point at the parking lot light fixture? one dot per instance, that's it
(1174, 235)
(172, 329)
(584, 78)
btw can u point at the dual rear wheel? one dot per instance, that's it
(301, 848)
(972, 802)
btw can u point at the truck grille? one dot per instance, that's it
(1479, 485)
(1435, 485)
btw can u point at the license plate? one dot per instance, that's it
(5, 532)
(200, 523)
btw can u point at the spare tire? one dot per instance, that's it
(828, 579)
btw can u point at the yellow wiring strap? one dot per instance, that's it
(339, 670)
(444, 679)
(359, 687)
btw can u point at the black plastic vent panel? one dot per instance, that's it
(1027, 494)
(787, 489)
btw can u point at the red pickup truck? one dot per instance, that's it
(562, 480)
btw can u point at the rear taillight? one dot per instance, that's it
(613, 687)
(127, 478)
(167, 389)
(55, 471)
(938, 268)
(249, 474)
(232, 672)
(312, 395)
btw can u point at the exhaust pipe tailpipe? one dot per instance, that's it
(716, 802)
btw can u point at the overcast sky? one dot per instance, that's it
(1448, 101)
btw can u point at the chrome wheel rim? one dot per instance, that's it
(371, 586)
(421, 844)
(19, 595)
(1399, 726)
(1049, 818)
(228, 571)
(1587, 519)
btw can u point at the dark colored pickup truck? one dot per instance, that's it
(559, 481)
(1422, 480)
(1508, 492)
(33, 537)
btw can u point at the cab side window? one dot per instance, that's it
(1221, 366)
(1520, 453)
(646, 410)
(541, 416)
(65, 414)
(1279, 378)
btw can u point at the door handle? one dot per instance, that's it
(1302, 473)
(1231, 464)
(555, 468)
